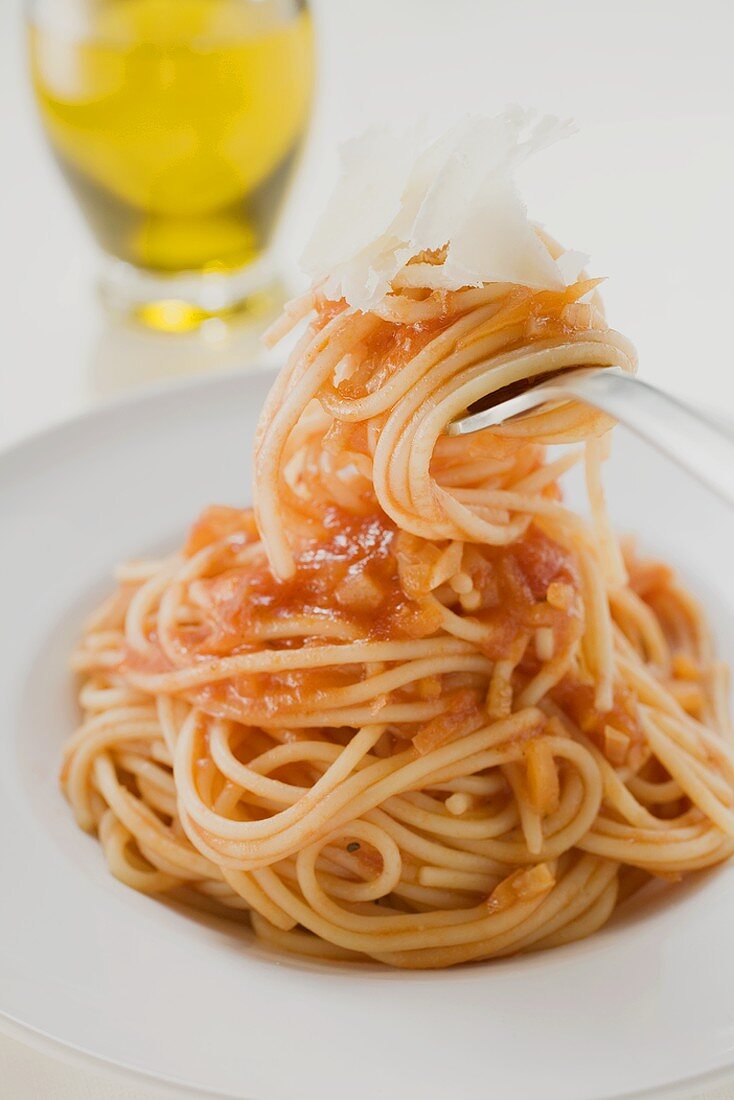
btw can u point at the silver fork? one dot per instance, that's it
(696, 442)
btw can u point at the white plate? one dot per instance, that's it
(90, 964)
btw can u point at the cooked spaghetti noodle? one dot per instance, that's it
(411, 708)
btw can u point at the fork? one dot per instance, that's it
(702, 446)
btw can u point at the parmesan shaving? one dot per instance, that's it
(457, 198)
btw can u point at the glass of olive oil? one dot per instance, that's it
(177, 124)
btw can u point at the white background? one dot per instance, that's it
(646, 188)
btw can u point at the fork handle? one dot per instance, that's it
(696, 442)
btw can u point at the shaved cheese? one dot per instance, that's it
(395, 202)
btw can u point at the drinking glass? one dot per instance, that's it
(177, 125)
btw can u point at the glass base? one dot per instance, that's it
(192, 300)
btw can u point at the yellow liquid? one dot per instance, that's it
(177, 123)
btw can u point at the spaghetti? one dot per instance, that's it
(411, 708)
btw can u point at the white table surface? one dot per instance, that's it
(646, 188)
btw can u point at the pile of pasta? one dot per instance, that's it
(410, 707)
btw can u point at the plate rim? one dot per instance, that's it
(141, 396)
(74, 1056)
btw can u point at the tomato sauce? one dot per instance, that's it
(576, 699)
(350, 576)
(513, 583)
(369, 582)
